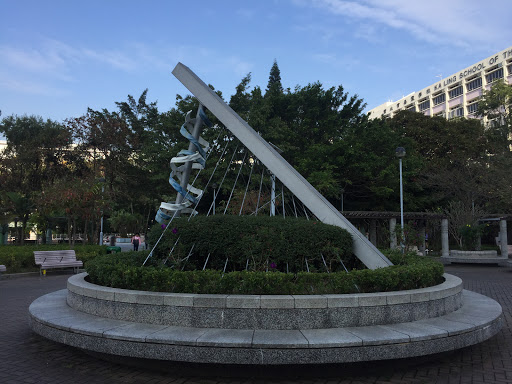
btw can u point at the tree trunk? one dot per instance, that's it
(86, 234)
(147, 221)
(23, 227)
(69, 231)
(74, 231)
(16, 232)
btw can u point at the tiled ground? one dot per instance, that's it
(28, 358)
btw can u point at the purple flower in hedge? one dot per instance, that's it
(273, 265)
(175, 230)
(163, 226)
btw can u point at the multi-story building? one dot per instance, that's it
(456, 95)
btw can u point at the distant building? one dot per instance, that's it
(456, 95)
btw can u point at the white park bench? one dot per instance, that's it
(57, 259)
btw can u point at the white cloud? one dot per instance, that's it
(42, 68)
(238, 66)
(30, 87)
(114, 59)
(461, 23)
(245, 13)
(345, 62)
(33, 61)
(56, 59)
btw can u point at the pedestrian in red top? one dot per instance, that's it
(136, 242)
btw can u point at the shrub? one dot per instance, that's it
(125, 271)
(19, 258)
(259, 243)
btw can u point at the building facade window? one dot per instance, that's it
(498, 74)
(457, 95)
(424, 105)
(474, 84)
(458, 111)
(456, 92)
(439, 99)
(472, 108)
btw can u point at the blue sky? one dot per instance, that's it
(57, 58)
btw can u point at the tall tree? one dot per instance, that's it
(36, 151)
(21, 208)
(103, 138)
(274, 86)
(454, 157)
(495, 105)
(241, 100)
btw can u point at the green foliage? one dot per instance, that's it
(36, 152)
(125, 271)
(256, 242)
(496, 104)
(412, 236)
(464, 224)
(470, 235)
(21, 258)
(124, 222)
(20, 206)
(445, 159)
(322, 131)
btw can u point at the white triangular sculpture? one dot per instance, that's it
(298, 185)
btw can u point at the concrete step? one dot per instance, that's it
(479, 319)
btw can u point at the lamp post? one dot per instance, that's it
(400, 153)
(342, 192)
(273, 189)
(102, 181)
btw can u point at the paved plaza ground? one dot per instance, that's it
(28, 358)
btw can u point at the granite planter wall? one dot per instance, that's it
(264, 312)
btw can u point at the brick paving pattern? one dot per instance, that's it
(28, 358)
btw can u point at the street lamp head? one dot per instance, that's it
(214, 185)
(400, 152)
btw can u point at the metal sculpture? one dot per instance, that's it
(192, 158)
(297, 184)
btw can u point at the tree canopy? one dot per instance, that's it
(116, 163)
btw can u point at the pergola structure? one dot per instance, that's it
(421, 218)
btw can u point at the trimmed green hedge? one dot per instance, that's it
(259, 243)
(20, 258)
(125, 271)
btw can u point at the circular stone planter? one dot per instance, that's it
(264, 311)
(265, 330)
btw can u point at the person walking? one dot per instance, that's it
(136, 242)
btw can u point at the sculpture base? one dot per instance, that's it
(478, 319)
